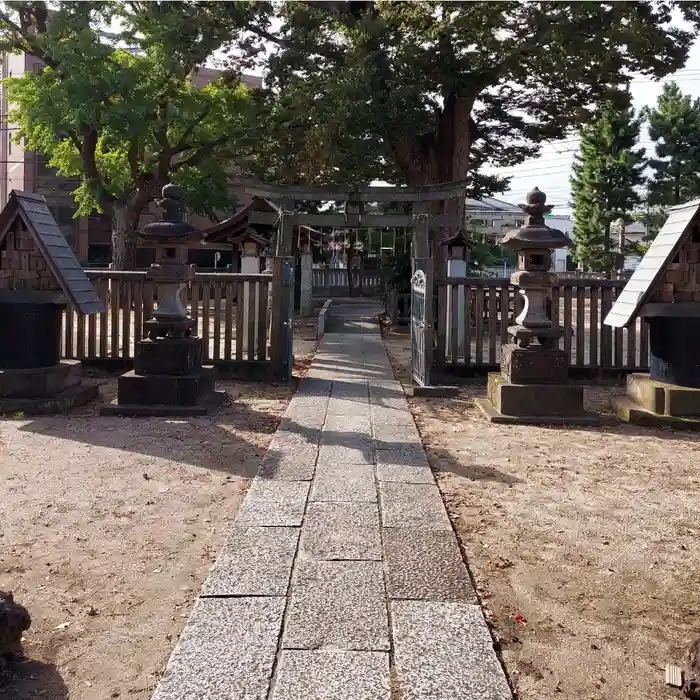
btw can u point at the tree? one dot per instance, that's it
(674, 126)
(426, 92)
(607, 170)
(126, 121)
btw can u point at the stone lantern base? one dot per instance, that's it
(649, 402)
(532, 388)
(168, 379)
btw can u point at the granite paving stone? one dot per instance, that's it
(289, 464)
(346, 439)
(412, 505)
(341, 531)
(346, 453)
(332, 675)
(348, 407)
(226, 651)
(389, 434)
(344, 482)
(444, 651)
(425, 564)
(408, 453)
(349, 424)
(274, 503)
(254, 561)
(339, 605)
(392, 416)
(404, 473)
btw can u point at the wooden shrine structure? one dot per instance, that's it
(355, 200)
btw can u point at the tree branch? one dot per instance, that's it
(202, 152)
(24, 41)
(182, 144)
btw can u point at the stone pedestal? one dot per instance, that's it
(653, 403)
(33, 378)
(532, 388)
(44, 390)
(168, 379)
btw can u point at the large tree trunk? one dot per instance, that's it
(441, 156)
(123, 237)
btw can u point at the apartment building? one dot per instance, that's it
(21, 169)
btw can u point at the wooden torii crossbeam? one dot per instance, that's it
(355, 198)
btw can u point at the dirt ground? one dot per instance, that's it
(583, 542)
(109, 526)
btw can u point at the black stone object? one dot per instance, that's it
(168, 378)
(166, 389)
(674, 350)
(14, 620)
(30, 328)
(175, 357)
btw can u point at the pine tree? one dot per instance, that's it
(674, 126)
(607, 170)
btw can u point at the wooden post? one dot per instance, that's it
(282, 316)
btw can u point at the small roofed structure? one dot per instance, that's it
(36, 255)
(39, 274)
(664, 291)
(244, 222)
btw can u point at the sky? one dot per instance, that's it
(552, 169)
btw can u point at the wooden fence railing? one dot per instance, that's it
(473, 315)
(231, 311)
(334, 282)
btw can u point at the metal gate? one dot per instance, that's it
(420, 359)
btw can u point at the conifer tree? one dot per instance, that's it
(674, 126)
(607, 170)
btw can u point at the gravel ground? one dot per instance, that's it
(582, 542)
(109, 526)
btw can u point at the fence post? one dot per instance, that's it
(282, 316)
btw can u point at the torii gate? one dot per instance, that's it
(355, 198)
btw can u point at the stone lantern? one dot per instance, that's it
(532, 386)
(534, 244)
(458, 249)
(168, 377)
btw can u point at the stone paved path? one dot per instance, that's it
(341, 577)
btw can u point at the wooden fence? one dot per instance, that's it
(231, 311)
(473, 315)
(333, 282)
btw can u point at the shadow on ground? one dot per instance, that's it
(32, 680)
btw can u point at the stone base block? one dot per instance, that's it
(207, 405)
(42, 382)
(534, 365)
(165, 389)
(182, 356)
(628, 410)
(536, 404)
(435, 391)
(663, 399)
(60, 403)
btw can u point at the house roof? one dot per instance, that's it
(52, 244)
(486, 204)
(230, 230)
(250, 235)
(661, 252)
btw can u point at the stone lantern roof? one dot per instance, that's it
(535, 234)
(172, 229)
